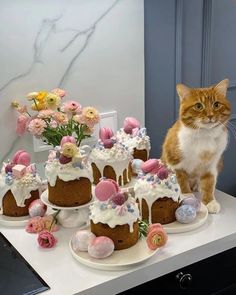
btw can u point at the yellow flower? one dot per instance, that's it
(41, 96)
(90, 112)
(32, 95)
(90, 116)
(69, 149)
(15, 104)
(40, 106)
(52, 101)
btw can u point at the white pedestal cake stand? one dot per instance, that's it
(70, 217)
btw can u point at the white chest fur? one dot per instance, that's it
(201, 148)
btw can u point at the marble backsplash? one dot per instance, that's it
(94, 49)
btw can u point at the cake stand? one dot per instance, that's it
(70, 217)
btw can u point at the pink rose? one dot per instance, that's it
(35, 225)
(50, 223)
(105, 133)
(71, 107)
(156, 238)
(46, 239)
(66, 139)
(59, 92)
(22, 122)
(37, 127)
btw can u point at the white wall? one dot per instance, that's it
(94, 49)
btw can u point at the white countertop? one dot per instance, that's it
(67, 276)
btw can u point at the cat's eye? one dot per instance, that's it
(216, 105)
(198, 106)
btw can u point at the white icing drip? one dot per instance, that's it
(150, 191)
(131, 141)
(118, 157)
(20, 188)
(66, 172)
(111, 217)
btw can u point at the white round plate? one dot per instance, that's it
(14, 221)
(119, 259)
(177, 227)
(44, 198)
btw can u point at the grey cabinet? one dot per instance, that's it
(191, 42)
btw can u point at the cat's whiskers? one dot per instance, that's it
(231, 127)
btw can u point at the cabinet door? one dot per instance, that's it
(214, 275)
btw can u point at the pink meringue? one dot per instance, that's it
(105, 133)
(66, 139)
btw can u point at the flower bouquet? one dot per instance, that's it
(52, 119)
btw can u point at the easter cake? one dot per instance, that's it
(115, 215)
(111, 159)
(157, 192)
(69, 174)
(135, 138)
(19, 185)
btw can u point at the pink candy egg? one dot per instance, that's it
(108, 143)
(105, 133)
(21, 157)
(118, 199)
(101, 247)
(128, 129)
(150, 165)
(81, 239)
(37, 208)
(162, 173)
(105, 189)
(192, 201)
(66, 139)
(64, 160)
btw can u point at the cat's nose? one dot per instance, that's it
(210, 117)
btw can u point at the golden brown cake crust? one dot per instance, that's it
(70, 193)
(121, 235)
(10, 207)
(109, 172)
(140, 154)
(163, 210)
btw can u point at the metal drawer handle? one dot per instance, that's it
(184, 280)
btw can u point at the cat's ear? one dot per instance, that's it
(221, 87)
(182, 91)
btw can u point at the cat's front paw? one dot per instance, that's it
(213, 207)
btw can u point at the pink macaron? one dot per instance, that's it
(21, 157)
(105, 189)
(150, 166)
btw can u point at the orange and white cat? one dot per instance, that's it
(194, 145)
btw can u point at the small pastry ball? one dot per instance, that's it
(192, 201)
(37, 208)
(185, 214)
(81, 239)
(101, 247)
